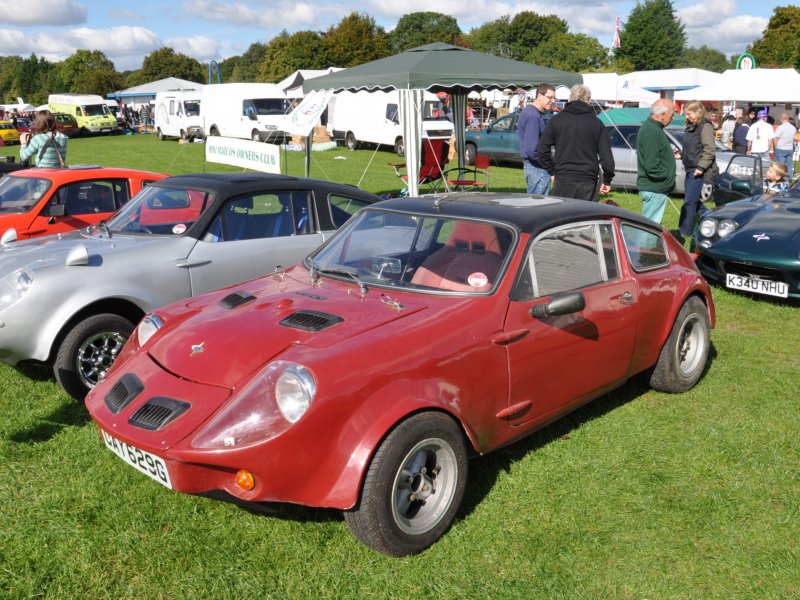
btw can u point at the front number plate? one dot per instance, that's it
(149, 464)
(759, 286)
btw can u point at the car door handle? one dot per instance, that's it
(185, 264)
(627, 298)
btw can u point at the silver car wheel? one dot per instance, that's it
(97, 354)
(424, 486)
(690, 351)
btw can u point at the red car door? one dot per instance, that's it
(560, 361)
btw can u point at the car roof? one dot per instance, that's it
(74, 172)
(229, 184)
(530, 214)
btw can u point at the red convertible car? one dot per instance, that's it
(425, 330)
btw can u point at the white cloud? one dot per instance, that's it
(729, 36)
(273, 16)
(200, 47)
(126, 15)
(44, 12)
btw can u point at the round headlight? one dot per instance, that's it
(14, 286)
(147, 328)
(726, 227)
(294, 391)
(708, 227)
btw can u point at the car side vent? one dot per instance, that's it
(235, 299)
(311, 320)
(158, 412)
(123, 392)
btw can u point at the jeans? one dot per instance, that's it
(653, 205)
(582, 190)
(785, 156)
(691, 203)
(537, 179)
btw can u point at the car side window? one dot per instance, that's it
(504, 124)
(569, 258)
(622, 136)
(261, 216)
(342, 208)
(646, 250)
(90, 197)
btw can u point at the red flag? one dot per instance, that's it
(616, 34)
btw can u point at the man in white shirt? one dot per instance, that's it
(784, 144)
(760, 136)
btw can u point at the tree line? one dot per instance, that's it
(652, 37)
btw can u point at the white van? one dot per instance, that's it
(374, 117)
(178, 114)
(90, 111)
(253, 111)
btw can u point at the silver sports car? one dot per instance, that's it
(72, 300)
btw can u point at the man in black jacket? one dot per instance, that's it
(581, 148)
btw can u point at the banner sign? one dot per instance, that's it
(306, 114)
(746, 61)
(243, 153)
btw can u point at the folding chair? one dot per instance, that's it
(432, 161)
(467, 178)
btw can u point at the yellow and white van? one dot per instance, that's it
(89, 110)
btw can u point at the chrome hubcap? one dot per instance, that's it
(97, 354)
(691, 345)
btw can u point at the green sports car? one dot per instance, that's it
(753, 245)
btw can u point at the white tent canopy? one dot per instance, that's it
(292, 85)
(612, 88)
(749, 85)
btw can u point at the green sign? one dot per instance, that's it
(746, 61)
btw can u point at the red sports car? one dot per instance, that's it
(38, 201)
(425, 330)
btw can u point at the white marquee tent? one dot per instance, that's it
(612, 88)
(749, 85)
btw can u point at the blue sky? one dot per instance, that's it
(216, 29)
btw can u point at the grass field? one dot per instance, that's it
(639, 495)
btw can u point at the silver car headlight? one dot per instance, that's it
(708, 227)
(14, 286)
(294, 391)
(726, 228)
(273, 400)
(148, 327)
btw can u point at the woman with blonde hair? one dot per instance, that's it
(700, 161)
(48, 145)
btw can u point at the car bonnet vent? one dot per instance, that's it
(123, 392)
(158, 412)
(311, 320)
(235, 299)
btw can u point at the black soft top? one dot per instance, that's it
(530, 214)
(226, 185)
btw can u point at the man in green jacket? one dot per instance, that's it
(655, 161)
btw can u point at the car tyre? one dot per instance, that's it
(160, 135)
(255, 135)
(88, 350)
(413, 486)
(399, 147)
(213, 131)
(350, 141)
(469, 154)
(683, 357)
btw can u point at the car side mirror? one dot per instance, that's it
(488, 129)
(57, 210)
(742, 186)
(560, 304)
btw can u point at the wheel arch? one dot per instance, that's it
(117, 306)
(345, 492)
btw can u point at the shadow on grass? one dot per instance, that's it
(68, 414)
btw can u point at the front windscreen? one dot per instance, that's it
(21, 194)
(161, 211)
(94, 110)
(191, 108)
(417, 252)
(270, 106)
